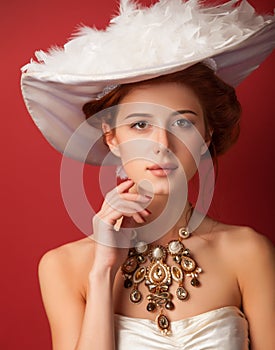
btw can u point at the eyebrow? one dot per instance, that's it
(133, 115)
(184, 111)
(148, 115)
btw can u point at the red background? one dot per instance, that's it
(33, 217)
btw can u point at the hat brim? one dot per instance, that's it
(55, 101)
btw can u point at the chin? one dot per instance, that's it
(162, 185)
(163, 188)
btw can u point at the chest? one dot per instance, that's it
(217, 288)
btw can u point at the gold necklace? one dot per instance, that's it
(158, 276)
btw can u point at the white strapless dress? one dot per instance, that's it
(225, 328)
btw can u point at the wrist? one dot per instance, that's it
(102, 275)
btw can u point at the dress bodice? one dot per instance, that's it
(225, 328)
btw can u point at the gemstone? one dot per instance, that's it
(195, 282)
(139, 275)
(130, 265)
(175, 247)
(128, 283)
(188, 264)
(169, 305)
(176, 273)
(163, 322)
(151, 307)
(152, 288)
(141, 259)
(141, 247)
(184, 233)
(135, 296)
(181, 293)
(158, 253)
(177, 259)
(158, 273)
(131, 252)
(186, 252)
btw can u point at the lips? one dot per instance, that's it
(166, 166)
(162, 169)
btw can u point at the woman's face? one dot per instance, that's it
(159, 136)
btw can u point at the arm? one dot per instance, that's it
(97, 331)
(77, 324)
(63, 303)
(257, 285)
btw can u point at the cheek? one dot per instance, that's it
(188, 155)
(189, 165)
(135, 149)
(189, 143)
(133, 168)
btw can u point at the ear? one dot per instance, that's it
(206, 143)
(111, 139)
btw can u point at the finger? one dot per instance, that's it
(145, 213)
(123, 207)
(142, 215)
(136, 197)
(138, 218)
(125, 202)
(124, 186)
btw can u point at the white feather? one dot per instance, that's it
(143, 37)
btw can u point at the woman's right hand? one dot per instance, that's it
(111, 246)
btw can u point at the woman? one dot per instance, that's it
(187, 280)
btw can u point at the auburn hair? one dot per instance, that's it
(221, 108)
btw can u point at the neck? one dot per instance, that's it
(165, 220)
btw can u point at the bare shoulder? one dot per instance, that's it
(71, 262)
(69, 254)
(241, 237)
(250, 257)
(243, 245)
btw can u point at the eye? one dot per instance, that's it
(182, 123)
(141, 125)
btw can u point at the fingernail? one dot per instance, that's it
(145, 212)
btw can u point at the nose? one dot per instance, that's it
(161, 142)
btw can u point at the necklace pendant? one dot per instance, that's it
(129, 265)
(163, 324)
(158, 273)
(151, 307)
(139, 275)
(175, 248)
(188, 264)
(184, 232)
(177, 273)
(141, 247)
(169, 305)
(195, 282)
(128, 283)
(135, 296)
(181, 293)
(158, 253)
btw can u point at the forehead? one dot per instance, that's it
(171, 95)
(159, 100)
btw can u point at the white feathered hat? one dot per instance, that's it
(140, 43)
